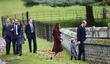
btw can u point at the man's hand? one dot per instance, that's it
(12, 29)
(61, 39)
(78, 42)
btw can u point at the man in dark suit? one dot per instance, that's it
(15, 29)
(30, 33)
(81, 37)
(6, 35)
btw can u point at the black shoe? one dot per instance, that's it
(84, 60)
(20, 54)
(35, 52)
(51, 58)
(75, 58)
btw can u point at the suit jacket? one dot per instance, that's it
(6, 30)
(13, 31)
(81, 34)
(28, 31)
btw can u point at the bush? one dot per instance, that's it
(101, 22)
(70, 23)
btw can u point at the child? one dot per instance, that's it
(73, 49)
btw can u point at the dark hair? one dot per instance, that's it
(56, 27)
(20, 23)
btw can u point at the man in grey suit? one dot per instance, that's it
(7, 35)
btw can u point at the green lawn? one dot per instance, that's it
(40, 57)
(41, 13)
(45, 13)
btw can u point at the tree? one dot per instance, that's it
(87, 3)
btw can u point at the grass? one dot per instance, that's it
(40, 57)
(46, 13)
(41, 13)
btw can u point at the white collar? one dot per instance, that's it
(30, 23)
(82, 25)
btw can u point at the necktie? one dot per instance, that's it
(15, 30)
(32, 28)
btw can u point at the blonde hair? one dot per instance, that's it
(84, 21)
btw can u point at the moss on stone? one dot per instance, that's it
(98, 41)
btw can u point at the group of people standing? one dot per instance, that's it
(81, 37)
(15, 33)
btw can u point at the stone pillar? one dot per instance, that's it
(93, 31)
(108, 29)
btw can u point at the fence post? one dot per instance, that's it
(27, 16)
(47, 31)
(2, 20)
(108, 29)
(15, 16)
(104, 13)
(23, 18)
(51, 30)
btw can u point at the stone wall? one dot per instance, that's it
(96, 50)
(95, 31)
